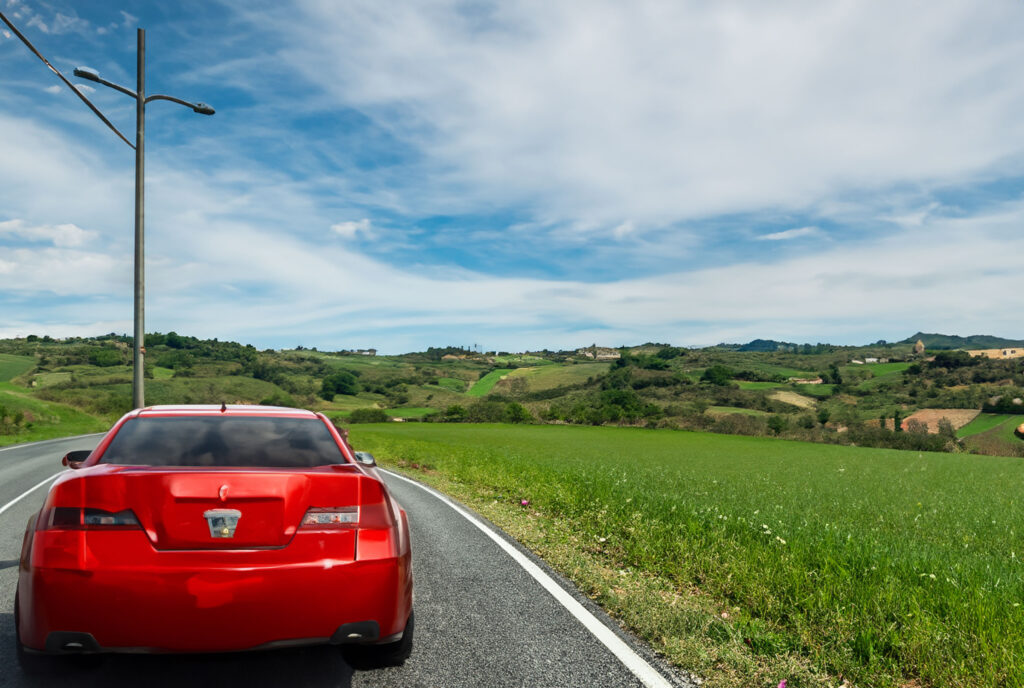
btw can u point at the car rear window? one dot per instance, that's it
(224, 441)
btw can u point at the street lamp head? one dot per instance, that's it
(87, 74)
(202, 109)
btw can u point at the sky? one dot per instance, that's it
(521, 174)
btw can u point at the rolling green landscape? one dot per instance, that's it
(758, 512)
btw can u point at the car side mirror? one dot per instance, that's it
(366, 458)
(74, 459)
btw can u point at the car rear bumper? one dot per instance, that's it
(219, 602)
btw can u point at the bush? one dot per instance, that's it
(104, 358)
(368, 415)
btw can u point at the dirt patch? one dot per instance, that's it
(931, 417)
(793, 398)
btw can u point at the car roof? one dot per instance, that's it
(233, 410)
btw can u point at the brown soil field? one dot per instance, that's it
(793, 398)
(931, 417)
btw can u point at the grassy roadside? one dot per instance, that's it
(44, 420)
(748, 560)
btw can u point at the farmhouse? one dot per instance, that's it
(998, 353)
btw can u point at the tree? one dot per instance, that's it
(717, 375)
(339, 382)
(823, 415)
(517, 413)
(777, 424)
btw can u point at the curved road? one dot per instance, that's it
(482, 619)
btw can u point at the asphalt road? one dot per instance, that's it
(481, 618)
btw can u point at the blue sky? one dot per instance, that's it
(520, 174)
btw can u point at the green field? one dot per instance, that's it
(821, 391)
(750, 560)
(487, 382)
(552, 376)
(747, 384)
(983, 423)
(12, 366)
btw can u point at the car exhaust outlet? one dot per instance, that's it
(71, 643)
(356, 632)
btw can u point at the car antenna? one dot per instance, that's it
(223, 406)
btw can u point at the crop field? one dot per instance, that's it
(549, 377)
(1004, 431)
(487, 382)
(982, 423)
(12, 366)
(794, 399)
(756, 559)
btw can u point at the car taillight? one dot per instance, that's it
(77, 518)
(334, 517)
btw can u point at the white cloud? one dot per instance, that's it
(350, 229)
(624, 230)
(63, 235)
(789, 234)
(662, 111)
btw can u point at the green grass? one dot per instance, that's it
(487, 382)
(747, 384)
(821, 391)
(552, 376)
(884, 369)
(11, 366)
(983, 423)
(162, 373)
(452, 383)
(44, 420)
(50, 379)
(878, 565)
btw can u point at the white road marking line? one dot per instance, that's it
(26, 493)
(647, 674)
(58, 439)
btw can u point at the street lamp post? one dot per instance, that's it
(138, 391)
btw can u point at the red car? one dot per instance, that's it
(214, 529)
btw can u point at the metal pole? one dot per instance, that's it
(138, 392)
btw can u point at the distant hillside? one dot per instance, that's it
(950, 341)
(767, 345)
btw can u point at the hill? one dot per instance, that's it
(947, 341)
